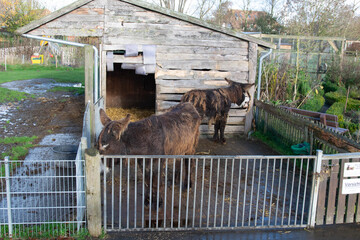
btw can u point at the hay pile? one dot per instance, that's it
(136, 113)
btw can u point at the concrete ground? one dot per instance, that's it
(343, 232)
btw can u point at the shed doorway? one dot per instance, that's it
(125, 89)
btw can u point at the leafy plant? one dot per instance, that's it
(314, 103)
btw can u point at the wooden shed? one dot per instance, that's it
(150, 56)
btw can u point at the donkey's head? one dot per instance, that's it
(109, 138)
(239, 91)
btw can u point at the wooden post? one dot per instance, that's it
(252, 76)
(89, 88)
(89, 74)
(93, 194)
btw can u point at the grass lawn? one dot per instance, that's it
(60, 74)
(25, 72)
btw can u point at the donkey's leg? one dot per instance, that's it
(222, 129)
(216, 131)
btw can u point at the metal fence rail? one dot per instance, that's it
(41, 196)
(226, 192)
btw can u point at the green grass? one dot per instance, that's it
(46, 231)
(20, 146)
(7, 95)
(25, 72)
(74, 90)
(60, 74)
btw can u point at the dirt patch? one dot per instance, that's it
(46, 113)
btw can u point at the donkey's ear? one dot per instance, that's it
(120, 126)
(229, 81)
(247, 86)
(103, 117)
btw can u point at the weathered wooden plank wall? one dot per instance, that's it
(188, 56)
(85, 21)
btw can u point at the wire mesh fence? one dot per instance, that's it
(41, 197)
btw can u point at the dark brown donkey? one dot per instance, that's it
(175, 132)
(215, 104)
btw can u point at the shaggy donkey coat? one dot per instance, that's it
(215, 104)
(175, 132)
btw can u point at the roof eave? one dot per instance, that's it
(37, 23)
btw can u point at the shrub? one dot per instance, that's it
(314, 103)
(333, 97)
(337, 109)
(330, 86)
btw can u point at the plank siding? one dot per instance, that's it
(85, 21)
(188, 55)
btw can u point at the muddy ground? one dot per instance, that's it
(43, 114)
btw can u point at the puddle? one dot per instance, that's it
(36, 86)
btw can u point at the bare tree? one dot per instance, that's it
(246, 9)
(203, 8)
(179, 5)
(271, 6)
(318, 17)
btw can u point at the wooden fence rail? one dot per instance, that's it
(289, 128)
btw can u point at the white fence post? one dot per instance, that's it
(315, 187)
(8, 195)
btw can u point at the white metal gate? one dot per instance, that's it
(227, 192)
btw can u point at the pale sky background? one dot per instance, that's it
(255, 4)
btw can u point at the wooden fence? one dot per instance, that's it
(289, 128)
(337, 202)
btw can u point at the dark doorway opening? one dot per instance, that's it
(125, 89)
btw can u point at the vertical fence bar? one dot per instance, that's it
(217, 188)
(196, 173)
(223, 200)
(128, 195)
(231, 189)
(202, 192)
(306, 179)
(135, 192)
(286, 182)
(165, 194)
(180, 191)
(120, 192)
(266, 183)
(8, 195)
(252, 191)
(292, 191)
(315, 187)
(258, 192)
(157, 194)
(238, 193)
(244, 202)
(278, 192)
(188, 191)
(208, 212)
(143, 195)
(298, 192)
(172, 194)
(150, 188)
(112, 193)
(272, 190)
